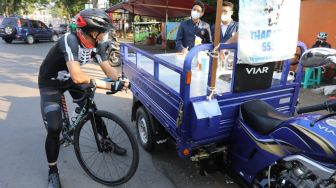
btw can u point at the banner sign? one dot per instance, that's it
(172, 28)
(268, 30)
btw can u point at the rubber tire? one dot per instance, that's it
(116, 119)
(54, 38)
(30, 39)
(150, 145)
(8, 41)
(13, 30)
(114, 62)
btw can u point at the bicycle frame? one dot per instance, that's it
(87, 110)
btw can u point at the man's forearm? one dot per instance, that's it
(109, 71)
(102, 84)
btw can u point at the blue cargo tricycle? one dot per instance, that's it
(248, 128)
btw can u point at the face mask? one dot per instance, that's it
(225, 17)
(84, 41)
(195, 14)
(105, 38)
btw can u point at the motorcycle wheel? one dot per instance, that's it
(114, 59)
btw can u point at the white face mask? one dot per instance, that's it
(195, 14)
(105, 38)
(225, 17)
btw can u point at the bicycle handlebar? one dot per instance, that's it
(86, 89)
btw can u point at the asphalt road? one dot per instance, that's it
(22, 135)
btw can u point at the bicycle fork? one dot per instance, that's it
(98, 127)
(95, 131)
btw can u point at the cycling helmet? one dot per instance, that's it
(93, 20)
(322, 35)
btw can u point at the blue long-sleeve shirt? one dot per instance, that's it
(187, 31)
(232, 28)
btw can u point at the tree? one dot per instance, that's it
(10, 7)
(113, 2)
(70, 8)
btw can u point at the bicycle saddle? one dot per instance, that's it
(261, 117)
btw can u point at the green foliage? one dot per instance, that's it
(9, 7)
(113, 2)
(68, 8)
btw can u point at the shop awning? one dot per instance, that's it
(158, 8)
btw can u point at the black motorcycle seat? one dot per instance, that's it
(261, 117)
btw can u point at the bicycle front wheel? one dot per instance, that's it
(106, 149)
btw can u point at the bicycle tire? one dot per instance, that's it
(135, 150)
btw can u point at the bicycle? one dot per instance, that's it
(94, 123)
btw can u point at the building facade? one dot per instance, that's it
(317, 16)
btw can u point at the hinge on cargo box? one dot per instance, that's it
(180, 114)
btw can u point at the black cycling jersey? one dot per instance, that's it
(54, 71)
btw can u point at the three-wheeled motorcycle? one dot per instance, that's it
(238, 117)
(250, 128)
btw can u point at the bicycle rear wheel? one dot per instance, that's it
(105, 166)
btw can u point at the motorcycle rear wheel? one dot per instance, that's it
(114, 59)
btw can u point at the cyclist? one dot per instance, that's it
(61, 70)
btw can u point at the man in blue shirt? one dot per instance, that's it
(189, 29)
(229, 27)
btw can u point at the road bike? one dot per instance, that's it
(95, 135)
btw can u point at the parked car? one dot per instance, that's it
(16, 28)
(62, 29)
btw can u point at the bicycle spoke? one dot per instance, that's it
(105, 166)
(122, 162)
(89, 139)
(113, 129)
(114, 137)
(89, 151)
(99, 166)
(93, 162)
(108, 167)
(92, 155)
(91, 147)
(115, 166)
(87, 133)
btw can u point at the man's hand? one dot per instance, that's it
(120, 85)
(127, 83)
(185, 51)
(223, 54)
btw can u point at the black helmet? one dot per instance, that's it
(93, 20)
